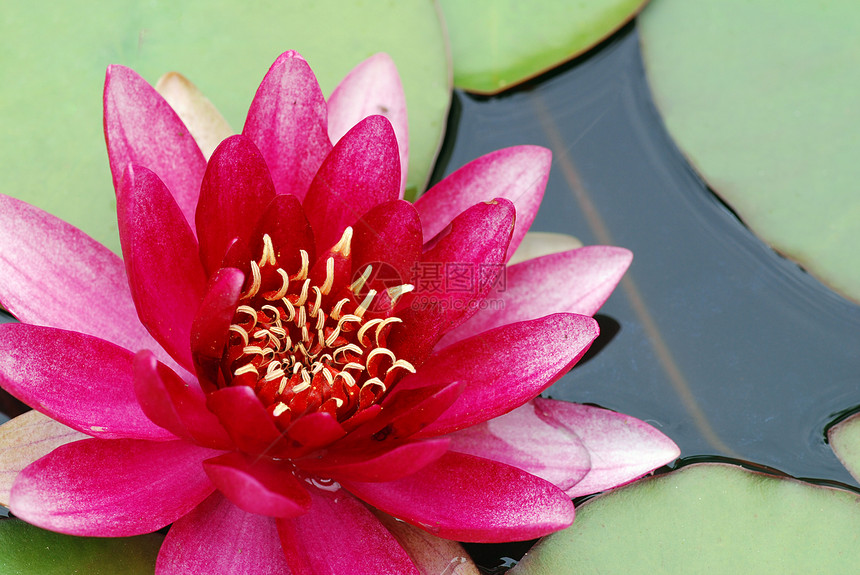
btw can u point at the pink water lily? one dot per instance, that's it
(290, 349)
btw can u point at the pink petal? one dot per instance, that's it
(246, 420)
(204, 121)
(522, 439)
(381, 464)
(112, 488)
(141, 128)
(468, 498)
(82, 381)
(339, 535)
(258, 485)
(362, 170)
(468, 255)
(372, 87)
(504, 368)
(388, 234)
(518, 174)
(287, 122)
(25, 439)
(218, 537)
(430, 554)
(622, 448)
(176, 405)
(576, 281)
(34, 247)
(166, 278)
(210, 328)
(236, 189)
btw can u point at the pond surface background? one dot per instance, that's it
(724, 345)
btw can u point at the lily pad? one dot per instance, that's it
(499, 43)
(53, 153)
(29, 550)
(761, 96)
(707, 518)
(844, 438)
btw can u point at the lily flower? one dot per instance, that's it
(275, 362)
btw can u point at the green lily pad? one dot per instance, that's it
(499, 43)
(762, 97)
(28, 550)
(707, 518)
(53, 152)
(844, 438)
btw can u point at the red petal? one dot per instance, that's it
(245, 419)
(210, 329)
(218, 537)
(236, 189)
(468, 498)
(519, 174)
(79, 380)
(258, 485)
(285, 222)
(505, 367)
(372, 87)
(141, 128)
(32, 245)
(287, 122)
(339, 535)
(389, 233)
(362, 170)
(112, 487)
(166, 278)
(576, 281)
(176, 405)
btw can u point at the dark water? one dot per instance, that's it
(725, 346)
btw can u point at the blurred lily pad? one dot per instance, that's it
(761, 96)
(499, 43)
(52, 73)
(28, 550)
(844, 438)
(707, 518)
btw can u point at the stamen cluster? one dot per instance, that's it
(308, 348)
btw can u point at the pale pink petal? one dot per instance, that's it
(469, 498)
(432, 555)
(259, 485)
(522, 439)
(164, 271)
(622, 448)
(576, 281)
(112, 487)
(362, 171)
(82, 381)
(287, 122)
(504, 368)
(141, 128)
(372, 87)
(339, 535)
(204, 121)
(53, 274)
(537, 244)
(518, 174)
(25, 439)
(236, 189)
(218, 537)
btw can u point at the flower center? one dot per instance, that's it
(308, 346)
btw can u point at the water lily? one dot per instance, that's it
(289, 349)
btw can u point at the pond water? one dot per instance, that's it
(728, 348)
